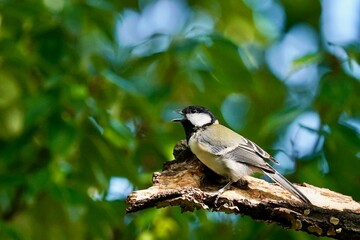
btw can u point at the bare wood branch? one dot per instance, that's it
(187, 183)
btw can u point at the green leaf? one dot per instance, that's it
(306, 60)
(121, 82)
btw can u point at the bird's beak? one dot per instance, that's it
(178, 119)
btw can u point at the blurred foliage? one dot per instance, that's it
(78, 108)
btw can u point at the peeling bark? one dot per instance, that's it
(187, 183)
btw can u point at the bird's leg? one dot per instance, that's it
(226, 187)
(223, 189)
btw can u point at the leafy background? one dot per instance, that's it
(88, 89)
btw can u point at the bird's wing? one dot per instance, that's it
(253, 147)
(230, 141)
(218, 139)
(249, 157)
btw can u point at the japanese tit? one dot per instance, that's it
(227, 153)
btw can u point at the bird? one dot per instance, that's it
(226, 152)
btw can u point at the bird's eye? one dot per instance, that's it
(193, 111)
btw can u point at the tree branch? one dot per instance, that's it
(187, 183)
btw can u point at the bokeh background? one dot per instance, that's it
(88, 89)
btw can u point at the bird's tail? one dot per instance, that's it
(283, 182)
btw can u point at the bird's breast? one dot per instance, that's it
(210, 160)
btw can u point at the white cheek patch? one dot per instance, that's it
(198, 119)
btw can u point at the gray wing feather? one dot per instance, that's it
(253, 147)
(216, 149)
(249, 157)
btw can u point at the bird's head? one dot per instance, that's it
(196, 117)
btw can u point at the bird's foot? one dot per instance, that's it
(242, 184)
(223, 189)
